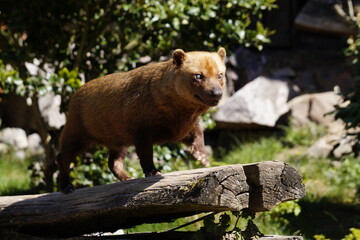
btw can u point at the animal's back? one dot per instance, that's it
(110, 109)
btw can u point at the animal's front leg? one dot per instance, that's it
(144, 150)
(116, 163)
(195, 140)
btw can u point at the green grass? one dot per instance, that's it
(302, 136)
(265, 149)
(161, 227)
(14, 175)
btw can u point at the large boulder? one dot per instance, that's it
(259, 103)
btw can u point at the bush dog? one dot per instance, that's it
(153, 104)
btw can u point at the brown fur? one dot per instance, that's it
(153, 104)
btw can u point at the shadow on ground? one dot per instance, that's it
(325, 217)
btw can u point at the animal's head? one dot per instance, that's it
(200, 76)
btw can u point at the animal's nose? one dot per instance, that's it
(216, 93)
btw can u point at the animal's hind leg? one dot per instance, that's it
(144, 150)
(116, 163)
(68, 152)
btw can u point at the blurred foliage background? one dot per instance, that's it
(71, 42)
(69, 39)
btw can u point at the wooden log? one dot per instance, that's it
(258, 187)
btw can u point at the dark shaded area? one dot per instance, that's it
(325, 217)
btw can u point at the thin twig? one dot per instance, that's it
(351, 10)
(340, 11)
(236, 223)
(192, 222)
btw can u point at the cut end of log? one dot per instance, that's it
(272, 183)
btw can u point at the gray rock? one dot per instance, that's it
(337, 143)
(259, 103)
(344, 146)
(314, 107)
(15, 137)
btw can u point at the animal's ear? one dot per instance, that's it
(178, 57)
(222, 53)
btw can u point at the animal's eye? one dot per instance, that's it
(198, 76)
(220, 76)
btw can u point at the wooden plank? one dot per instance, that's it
(258, 187)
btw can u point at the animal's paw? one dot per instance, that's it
(200, 156)
(68, 189)
(154, 172)
(127, 179)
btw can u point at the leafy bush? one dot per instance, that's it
(99, 37)
(91, 169)
(344, 179)
(349, 110)
(63, 83)
(353, 235)
(278, 216)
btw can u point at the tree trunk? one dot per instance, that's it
(49, 148)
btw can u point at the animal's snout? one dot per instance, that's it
(216, 93)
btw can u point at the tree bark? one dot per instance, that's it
(257, 187)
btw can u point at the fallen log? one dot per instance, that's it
(257, 187)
